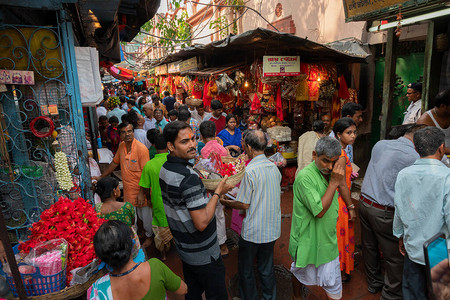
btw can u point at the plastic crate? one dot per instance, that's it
(36, 284)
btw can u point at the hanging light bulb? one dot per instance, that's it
(246, 84)
(318, 77)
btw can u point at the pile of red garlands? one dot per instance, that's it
(76, 222)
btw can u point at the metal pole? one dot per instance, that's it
(11, 259)
(389, 82)
(93, 129)
(75, 102)
(426, 90)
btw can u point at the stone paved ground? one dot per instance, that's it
(355, 289)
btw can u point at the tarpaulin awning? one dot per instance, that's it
(119, 72)
(263, 41)
(352, 47)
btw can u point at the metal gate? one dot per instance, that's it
(27, 170)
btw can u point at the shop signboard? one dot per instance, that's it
(363, 10)
(188, 65)
(281, 65)
(161, 70)
(174, 67)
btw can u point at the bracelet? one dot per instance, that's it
(218, 196)
(351, 206)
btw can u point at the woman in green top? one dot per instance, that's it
(129, 280)
(108, 189)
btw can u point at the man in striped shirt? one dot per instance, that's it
(190, 215)
(259, 194)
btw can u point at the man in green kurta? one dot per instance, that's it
(150, 183)
(313, 240)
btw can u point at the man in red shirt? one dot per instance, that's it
(217, 117)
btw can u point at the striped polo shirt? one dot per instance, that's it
(183, 191)
(261, 188)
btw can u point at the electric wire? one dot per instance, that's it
(202, 37)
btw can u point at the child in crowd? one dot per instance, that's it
(113, 137)
(173, 115)
(151, 136)
(217, 115)
(208, 133)
(102, 127)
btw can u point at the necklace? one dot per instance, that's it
(126, 272)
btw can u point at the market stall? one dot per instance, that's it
(283, 82)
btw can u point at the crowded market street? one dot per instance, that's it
(224, 149)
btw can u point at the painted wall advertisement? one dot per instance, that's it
(281, 65)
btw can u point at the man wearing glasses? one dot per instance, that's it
(414, 95)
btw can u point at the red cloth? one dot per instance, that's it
(313, 90)
(313, 72)
(220, 123)
(206, 98)
(343, 88)
(256, 104)
(279, 104)
(335, 109)
(226, 100)
(260, 87)
(197, 89)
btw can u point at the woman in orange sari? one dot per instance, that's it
(345, 131)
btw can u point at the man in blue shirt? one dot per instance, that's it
(161, 122)
(168, 101)
(376, 212)
(422, 207)
(132, 105)
(259, 194)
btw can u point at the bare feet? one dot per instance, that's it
(147, 243)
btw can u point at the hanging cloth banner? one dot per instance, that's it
(279, 103)
(206, 98)
(343, 88)
(256, 104)
(197, 89)
(89, 75)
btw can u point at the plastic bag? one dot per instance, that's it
(50, 257)
(82, 275)
(278, 160)
(205, 164)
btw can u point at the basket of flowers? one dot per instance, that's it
(212, 170)
(193, 101)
